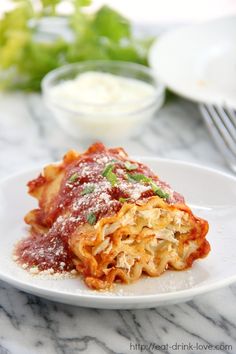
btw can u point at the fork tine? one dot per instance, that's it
(223, 128)
(213, 129)
(218, 139)
(232, 114)
(228, 122)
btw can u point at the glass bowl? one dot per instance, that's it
(104, 121)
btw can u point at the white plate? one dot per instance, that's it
(212, 195)
(198, 62)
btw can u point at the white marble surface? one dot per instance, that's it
(28, 324)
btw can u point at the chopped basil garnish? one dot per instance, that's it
(110, 176)
(123, 200)
(91, 218)
(158, 191)
(73, 177)
(88, 190)
(130, 166)
(138, 177)
(107, 169)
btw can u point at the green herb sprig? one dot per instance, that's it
(109, 175)
(73, 177)
(88, 189)
(123, 200)
(91, 218)
(130, 166)
(139, 177)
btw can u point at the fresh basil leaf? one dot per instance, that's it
(158, 191)
(130, 166)
(139, 177)
(73, 177)
(107, 169)
(110, 176)
(123, 200)
(91, 218)
(88, 190)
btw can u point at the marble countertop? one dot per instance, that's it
(30, 325)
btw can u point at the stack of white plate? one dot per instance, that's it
(199, 61)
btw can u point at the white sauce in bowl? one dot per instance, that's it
(94, 92)
(100, 105)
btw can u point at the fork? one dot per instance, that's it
(221, 123)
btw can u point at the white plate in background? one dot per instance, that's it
(212, 195)
(199, 61)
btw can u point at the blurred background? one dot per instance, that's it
(39, 36)
(152, 12)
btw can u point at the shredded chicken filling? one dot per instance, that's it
(149, 233)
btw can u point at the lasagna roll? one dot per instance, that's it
(109, 218)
